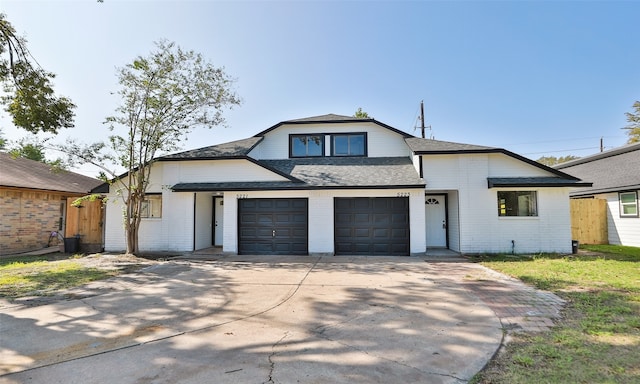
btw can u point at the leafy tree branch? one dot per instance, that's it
(28, 91)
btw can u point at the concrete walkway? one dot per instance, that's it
(268, 320)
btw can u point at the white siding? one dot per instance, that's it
(481, 229)
(172, 232)
(321, 234)
(203, 171)
(416, 162)
(501, 165)
(381, 142)
(114, 240)
(622, 230)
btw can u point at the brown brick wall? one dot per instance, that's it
(27, 219)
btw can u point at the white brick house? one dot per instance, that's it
(340, 185)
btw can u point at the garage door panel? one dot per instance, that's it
(264, 232)
(282, 218)
(248, 218)
(343, 232)
(300, 233)
(248, 232)
(399, 234)
(363, 248)
(361, 232)
(381, 249)
(381, 219)
(300, 204)
(399, 218)
(381, 233)
(371, 226)
(361, 218)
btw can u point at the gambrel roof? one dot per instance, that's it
(351, 172)
(610, 171)
(18, 172)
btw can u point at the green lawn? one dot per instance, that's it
(42, 275)
(598, 339)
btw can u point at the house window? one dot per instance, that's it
(517, 203)
(354, 144)
(306, 145)
(152, 206)
(628, 204)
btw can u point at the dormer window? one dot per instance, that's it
(351, 144)
(306, 145)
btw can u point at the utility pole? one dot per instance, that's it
(422, 117)
(601, 144)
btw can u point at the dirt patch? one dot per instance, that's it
(121, 262)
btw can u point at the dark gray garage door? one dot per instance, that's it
(372, 226)
(272, 226)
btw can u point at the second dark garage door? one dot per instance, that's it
(371, 226)
(272, 226)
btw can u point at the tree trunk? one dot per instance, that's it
(129, 231)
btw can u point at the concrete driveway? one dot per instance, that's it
(256, 320)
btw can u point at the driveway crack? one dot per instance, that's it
(272, 363)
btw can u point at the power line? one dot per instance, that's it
(560, 140)
(561, 150)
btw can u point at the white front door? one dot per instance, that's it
(435, 212)
(218, 207)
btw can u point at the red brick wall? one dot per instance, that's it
(27, 219)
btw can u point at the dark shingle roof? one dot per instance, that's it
(348, 172)
(24, 173)
(610, 171)
(238, 148)
(421, 146)
(324, 118)
(428, 146)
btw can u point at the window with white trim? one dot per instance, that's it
(151, 206)
(628, 204)
(517, 203)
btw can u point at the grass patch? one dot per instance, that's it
(598, 339)
(42, 276)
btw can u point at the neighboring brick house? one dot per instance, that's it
(34, 201)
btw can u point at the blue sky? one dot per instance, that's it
(540, 78)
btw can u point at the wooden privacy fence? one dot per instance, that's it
(589, 221)
(86, 222)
